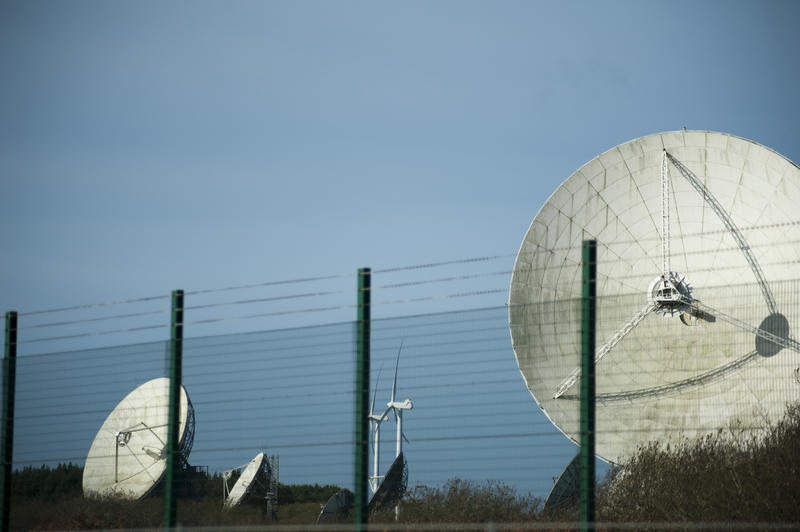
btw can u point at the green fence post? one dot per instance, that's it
(175, 375)
(588, 319)
(9, 387)
(362, 398)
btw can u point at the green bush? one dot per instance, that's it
(463, 501)
(722, 477)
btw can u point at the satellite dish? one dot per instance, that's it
(697, 253)
(392, 488)
(564, 492)
(256, 474)
(128, 455)
(338, 506)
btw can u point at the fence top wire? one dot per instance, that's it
(205, 317)
(264, 284)
(408, 268)
(443, 263)
(187, 293)
(203, 312)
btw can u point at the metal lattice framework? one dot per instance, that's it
(709, 198)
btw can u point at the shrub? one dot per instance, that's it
(722, 477)
(463, 501)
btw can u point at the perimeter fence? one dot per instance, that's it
(263, 376)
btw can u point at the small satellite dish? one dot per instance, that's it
(565, 490)
(256, 474)
(338, 506)
(128, 455)
(392, 488)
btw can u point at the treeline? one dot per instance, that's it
(304, 493)
(46, 484)
(723, 478)
(64, 481)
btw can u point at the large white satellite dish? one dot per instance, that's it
(698, 255)
(128, 455)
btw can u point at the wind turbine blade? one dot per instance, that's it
(396, 366)
(375, 391)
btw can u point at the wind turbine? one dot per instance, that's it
(397, 408)
(376, 420)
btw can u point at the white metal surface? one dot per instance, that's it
(730, 239)
(128, 455)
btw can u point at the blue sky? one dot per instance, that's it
(147, 146)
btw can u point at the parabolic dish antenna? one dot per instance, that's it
(337, 507)
(565, 491)
(698, 259)
(392, 487)
(128, 456)
(257, 473)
